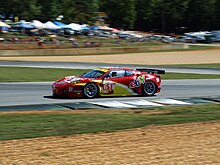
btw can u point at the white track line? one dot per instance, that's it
(113, 104)
(171, 102)
(142, 103)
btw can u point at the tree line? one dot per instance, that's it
(145, 15)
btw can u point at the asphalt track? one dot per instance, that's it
(40, 93)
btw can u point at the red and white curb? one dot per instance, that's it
(140, 103)
(119, 104)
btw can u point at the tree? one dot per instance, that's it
(85, 11)
(217, 14)
(78, 11)
(160, 15)
(25, 9)
(200, 15)
(49, 9)
(121, 13)
(143, 16)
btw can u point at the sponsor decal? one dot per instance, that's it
(115, 89)
(77, 91)
(138, 80)
(103, 69)
(72, 79)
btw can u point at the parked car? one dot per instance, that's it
(197, 37)
(216, 35)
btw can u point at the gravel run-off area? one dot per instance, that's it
(157, 58)
(192, 143)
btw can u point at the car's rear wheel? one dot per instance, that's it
(149, 88)
(91, 90)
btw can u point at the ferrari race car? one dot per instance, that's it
(110, 82)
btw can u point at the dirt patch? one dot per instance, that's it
(159, 58)
(193, 143)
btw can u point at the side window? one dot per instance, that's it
(129, 73)
(117, 73)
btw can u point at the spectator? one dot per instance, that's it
(87, 44)
(58, 42)
(40, 42)
(74, 42)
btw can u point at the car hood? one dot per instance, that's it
(70, 80)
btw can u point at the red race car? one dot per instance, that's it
(110, 82)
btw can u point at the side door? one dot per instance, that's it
(117, 83)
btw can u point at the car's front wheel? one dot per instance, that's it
(149, 88)
(91, 90)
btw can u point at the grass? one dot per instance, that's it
(216, 65)
(18, 126)
(199, 47)
(177, 76)
(25, 74)
(22, 74)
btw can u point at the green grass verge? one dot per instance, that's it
(199, 47)
(17, 126)
(216, 65)
(177, 76)
(23, 74)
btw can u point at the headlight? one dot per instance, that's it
(70, 89)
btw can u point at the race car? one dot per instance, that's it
(110, 82)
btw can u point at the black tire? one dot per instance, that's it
(91, 90)
(54, 95)
(149, 88)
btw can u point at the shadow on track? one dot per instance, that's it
(81, 98)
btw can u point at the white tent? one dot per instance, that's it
(74, 26)
(37, 24)
(50, 25)
(2, 24)
(105, 28)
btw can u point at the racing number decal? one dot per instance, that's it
(108, 87)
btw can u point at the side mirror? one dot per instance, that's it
(114, 74)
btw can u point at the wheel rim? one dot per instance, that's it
(149, 88)
(90, 90)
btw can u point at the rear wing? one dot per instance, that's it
(151, 71)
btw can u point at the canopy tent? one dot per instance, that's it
(60, 24)
(37, 24)
(94, 28)
(2, 24)
(105, 28)
(84, 27)
(73, 26)
(116, 30)
(24, 26)
(50, 25)
(4, 29)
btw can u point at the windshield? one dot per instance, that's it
(93, 74)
